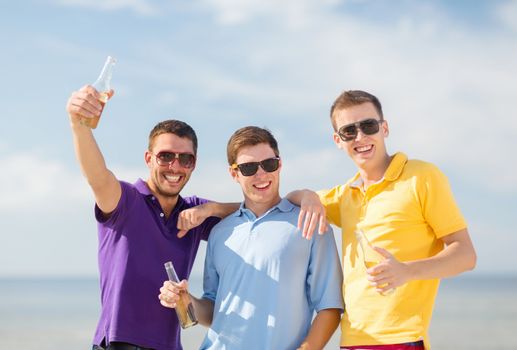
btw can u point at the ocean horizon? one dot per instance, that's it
(472, 311)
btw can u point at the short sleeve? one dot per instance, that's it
(324, 275)
(127, 197)
(210, 275)
(330, 200)
(438, 205)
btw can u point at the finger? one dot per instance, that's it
(383, 252)
(91, 90)
(312, 225)
(182, 233)
(91, 95)
(323, 224)
(85, 101)
(301, 216)
(375, 270)
(167, 301)
(111, 92)
(385, 289)
(306, 224)
(379, 281)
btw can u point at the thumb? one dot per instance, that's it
(182, 233)
(183, 284)
(111, 93)
(383, 252)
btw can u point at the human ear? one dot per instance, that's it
(147, 158)
(337, 140)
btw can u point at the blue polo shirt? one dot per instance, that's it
(134, 244)
(267, 280)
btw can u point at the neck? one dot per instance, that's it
(167, 202)
(260, 208)
(372, 173)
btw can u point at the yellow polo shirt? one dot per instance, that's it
(406, 213)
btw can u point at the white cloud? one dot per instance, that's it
(37, 180)
(142, 7)
(507, 13)
(294, 12)
(444, 89)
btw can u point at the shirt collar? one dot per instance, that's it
(396, 167)
(284, 206)
(144, 189)
(393, 172)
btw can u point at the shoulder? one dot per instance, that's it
(224, 227)
(192, 201)
(421, 166)
(422, 171)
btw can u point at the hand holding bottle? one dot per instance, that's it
(85, 104)
(174, 294)
(372, 257)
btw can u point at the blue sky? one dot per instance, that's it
(443, 70)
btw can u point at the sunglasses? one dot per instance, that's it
(368, 127)
(251, 168)
(186, 160)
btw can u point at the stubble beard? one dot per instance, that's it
(162, 192)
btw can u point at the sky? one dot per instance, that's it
(443, 70)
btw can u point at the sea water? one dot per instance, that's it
(471, 312)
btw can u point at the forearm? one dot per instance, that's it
(203, 309)
(458, 256)
(322, 328)
(221, 210)
(89, 156)
(105, 186)
(297, 196)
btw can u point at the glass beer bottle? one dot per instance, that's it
(370, 256)
(184, 308)
(102, 85)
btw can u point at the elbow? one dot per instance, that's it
(472, 261)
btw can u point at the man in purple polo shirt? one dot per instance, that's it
(140, 227)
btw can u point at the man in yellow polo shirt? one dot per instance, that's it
(406, 210)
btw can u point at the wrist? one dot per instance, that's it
(77, 125)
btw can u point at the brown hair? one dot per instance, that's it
(176, 127)
(353, 98)
(249, 136)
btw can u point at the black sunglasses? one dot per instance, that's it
(186, 160)
(368, 127)
(251, 168)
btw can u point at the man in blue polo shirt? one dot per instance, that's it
(139, 227)
(263, 281)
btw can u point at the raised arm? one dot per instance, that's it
(312, 212)
(106, 188)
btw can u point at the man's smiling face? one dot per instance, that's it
(363, 149)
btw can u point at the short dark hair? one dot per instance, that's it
(249, 136)
(353, 98)
(176, 127)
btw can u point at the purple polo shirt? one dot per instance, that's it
(134, 244)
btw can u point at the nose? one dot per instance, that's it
(174, 161)
(260, 171)
(359, 135)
